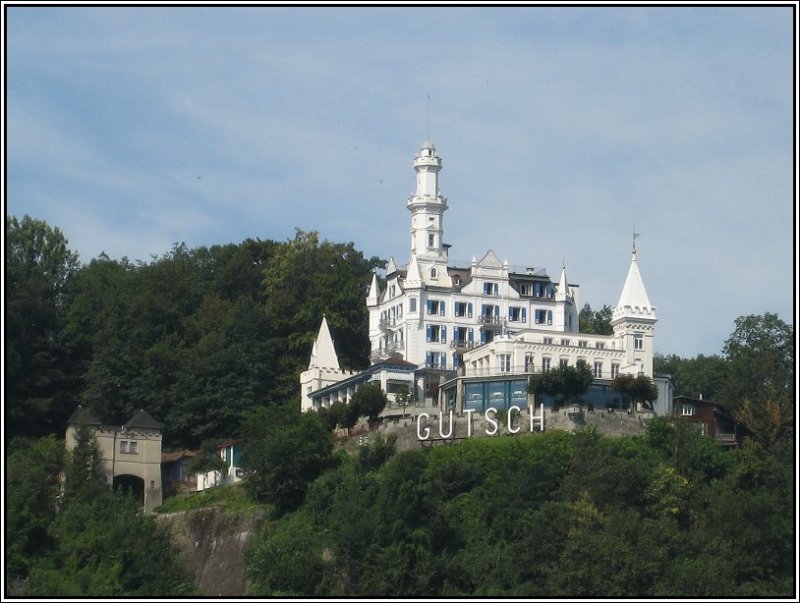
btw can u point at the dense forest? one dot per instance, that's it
(210, 341)
(667, 514)
(196, 337)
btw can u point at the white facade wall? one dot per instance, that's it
(403, 321)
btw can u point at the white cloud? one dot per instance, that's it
(559, 129)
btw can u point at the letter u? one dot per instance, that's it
(449, 433)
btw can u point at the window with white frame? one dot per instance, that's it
(529, 362)
(563, 362)
(488, 311)
(517, 314)
(133, 448)
(490, 289)
(547, 340)
(540, 316)
(463, 309)
(412, 304)
(123, 447)
(600, 345)
(525, 289)
(504, 363)
(436, 307)
(545, 364)
(598, 368)
(582, 343)
(638, 341)
(433, 272)
(463, 335)
(614, 369)
(564, 341)
(687, 409)
(436, 334)
(436, 360)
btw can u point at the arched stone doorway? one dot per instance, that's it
(132, 485)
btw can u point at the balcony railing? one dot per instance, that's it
(386, 352)
(492, 322)
(458, 344)
(387, 323)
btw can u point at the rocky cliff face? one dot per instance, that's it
(212, 544)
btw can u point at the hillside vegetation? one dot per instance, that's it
(552, 514)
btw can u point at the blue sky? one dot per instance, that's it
(560, 129)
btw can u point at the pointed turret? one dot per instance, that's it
(633, 301)
(374, 292)
(413, 276)
(323, 354)
(562, 292)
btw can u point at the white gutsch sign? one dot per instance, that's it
(424, 431)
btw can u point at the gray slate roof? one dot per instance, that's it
(143, 419)
(81, 415)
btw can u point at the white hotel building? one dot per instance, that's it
(484, 319)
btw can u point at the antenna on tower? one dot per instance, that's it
(429, 118)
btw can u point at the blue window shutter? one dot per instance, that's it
(428, 333)
(524, 316)
(469, 310)
(470, 335)
(441, 308)
(444, 334)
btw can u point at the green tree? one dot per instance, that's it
(40, 386)
(107, 547)
(595, 322)
(704, 376)
(406, 396)
(369, 400)
(83, 471)
(760, 391)
(761, 353)
(306, 279)
(32, 487)
(284, 451)
(640, 388)
(566, 382)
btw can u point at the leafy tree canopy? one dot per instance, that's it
(284, 451)
(568, 382)
(597, 322)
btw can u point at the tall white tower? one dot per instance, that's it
(427, 206)
(634, 319)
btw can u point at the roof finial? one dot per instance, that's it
(635, 234)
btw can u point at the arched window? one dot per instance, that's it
(433, 272)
